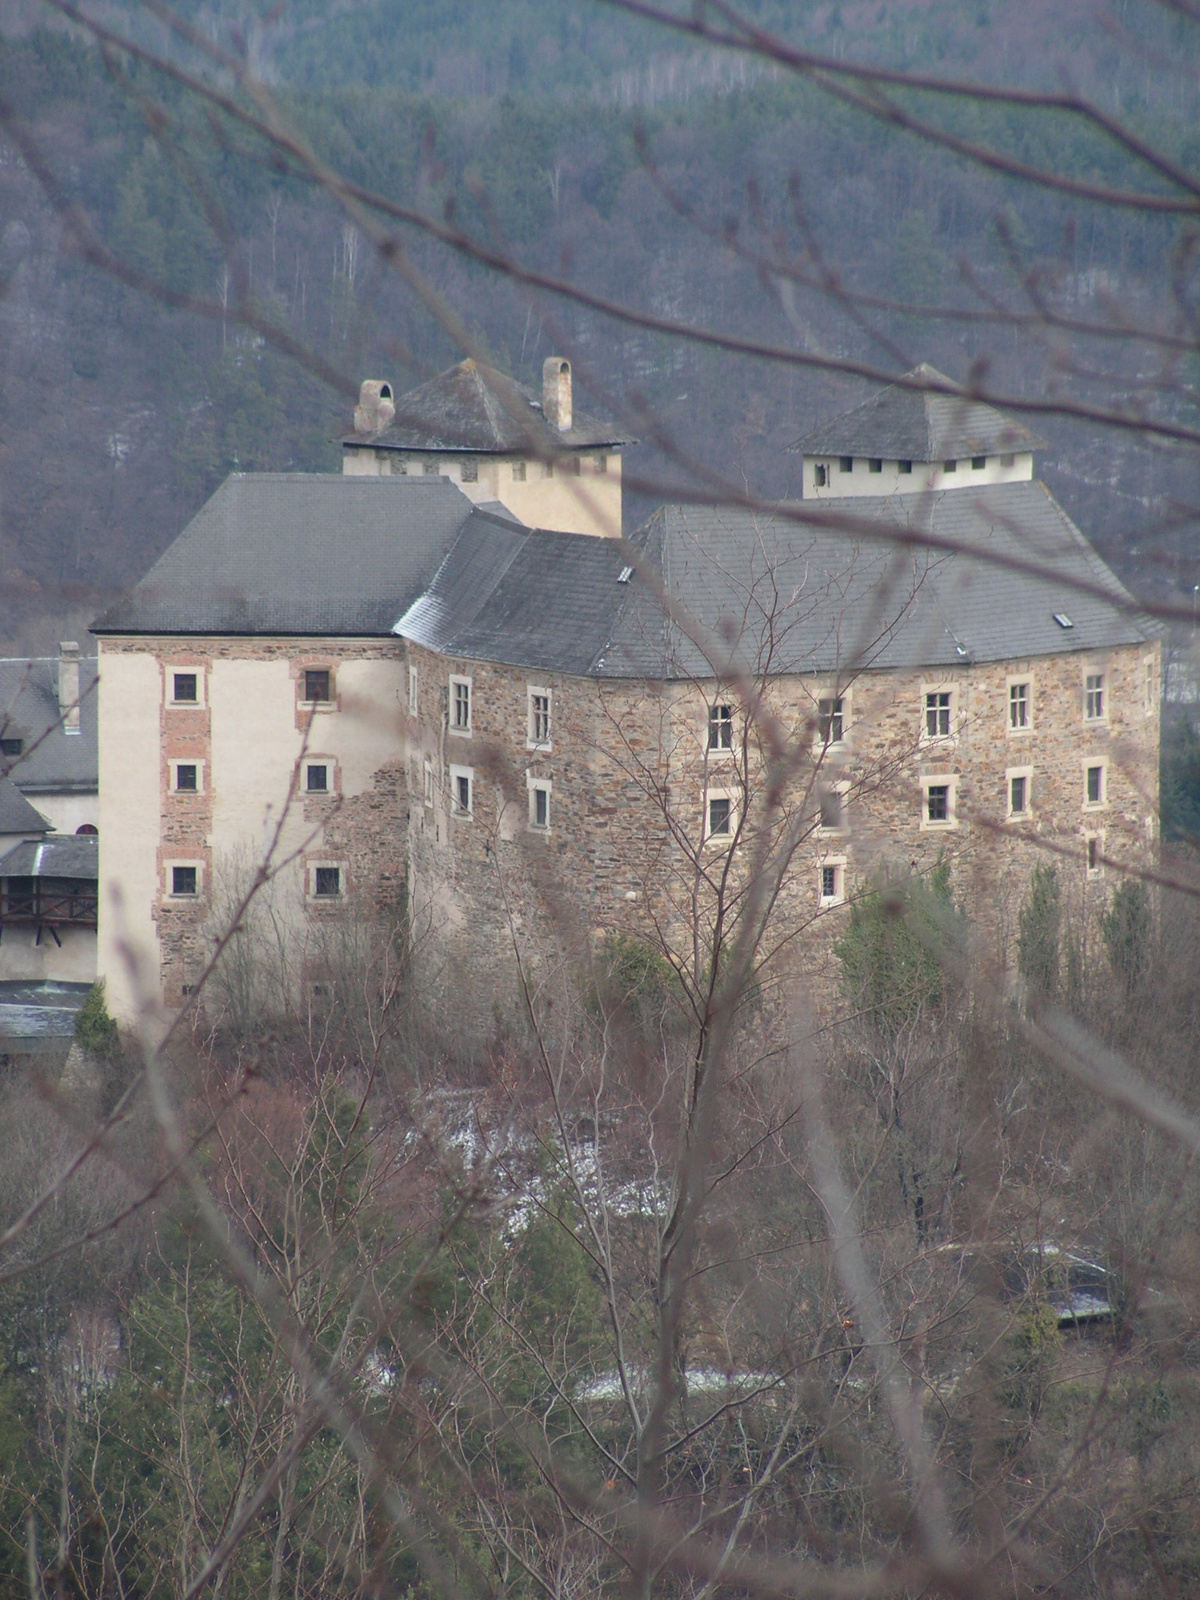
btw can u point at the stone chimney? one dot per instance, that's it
(68, 685)
(376, 406)
(556, 393)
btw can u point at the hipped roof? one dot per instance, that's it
(297, 553)
(472, 407)
(905, 422)
(799, 590)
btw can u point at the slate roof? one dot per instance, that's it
(52, 759)
(911, 424)
(16, 814)
(474, 408)
(817, 595)
(523, 596)
(297, 553)
(62, 855)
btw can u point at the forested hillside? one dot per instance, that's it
(589, 145)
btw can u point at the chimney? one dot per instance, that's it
(376, 407)
(556, 393)
(68, 685)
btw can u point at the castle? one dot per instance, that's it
(439, 685)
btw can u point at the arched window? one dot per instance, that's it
(89, 829)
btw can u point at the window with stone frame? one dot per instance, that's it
(939, 713)
(831, 719)
(1093, 697)
(720, 816)
(317, 685)
(460, 705)
(1019, 707)
(539, 806)
(720, 727)
(462, 791)
(538, 705)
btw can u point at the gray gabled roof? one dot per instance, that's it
(297, 553)
(51, 759)
(62, 855)
(908, 423)
(16, 814)
(808, 588)
(474, 408)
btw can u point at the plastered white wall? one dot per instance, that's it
(587, 503)
(67, 813)
(925, 477)
(128, 710)
(21, 956)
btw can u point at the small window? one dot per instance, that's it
(11, 747)
(186, 777)
(430, 467)
(949, 466)
(937, 803)
(1018, 795)
(846, 464)
(820, 475)
(413, 694)
(518, 471)
(720, 813)
(539, 805)
(185, 689)
(1018, 706)
(88, 830)
(462, 787)
(601, 465)
(904, 467)
(327, 882)
(1093, 708)
(1008, 460)
(316, 778)
(978, 463)
(460, 705)
(428, 784)
(538, 731)
(316, 685)
(1092, 846)
(547, 469)
(183, 881)
(1148, 687)
(875, 464)
(1094, 784)
(833, 810)
(833, 883)
(720, 727)
(938, 714)
(470, 472)
(831, 720)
